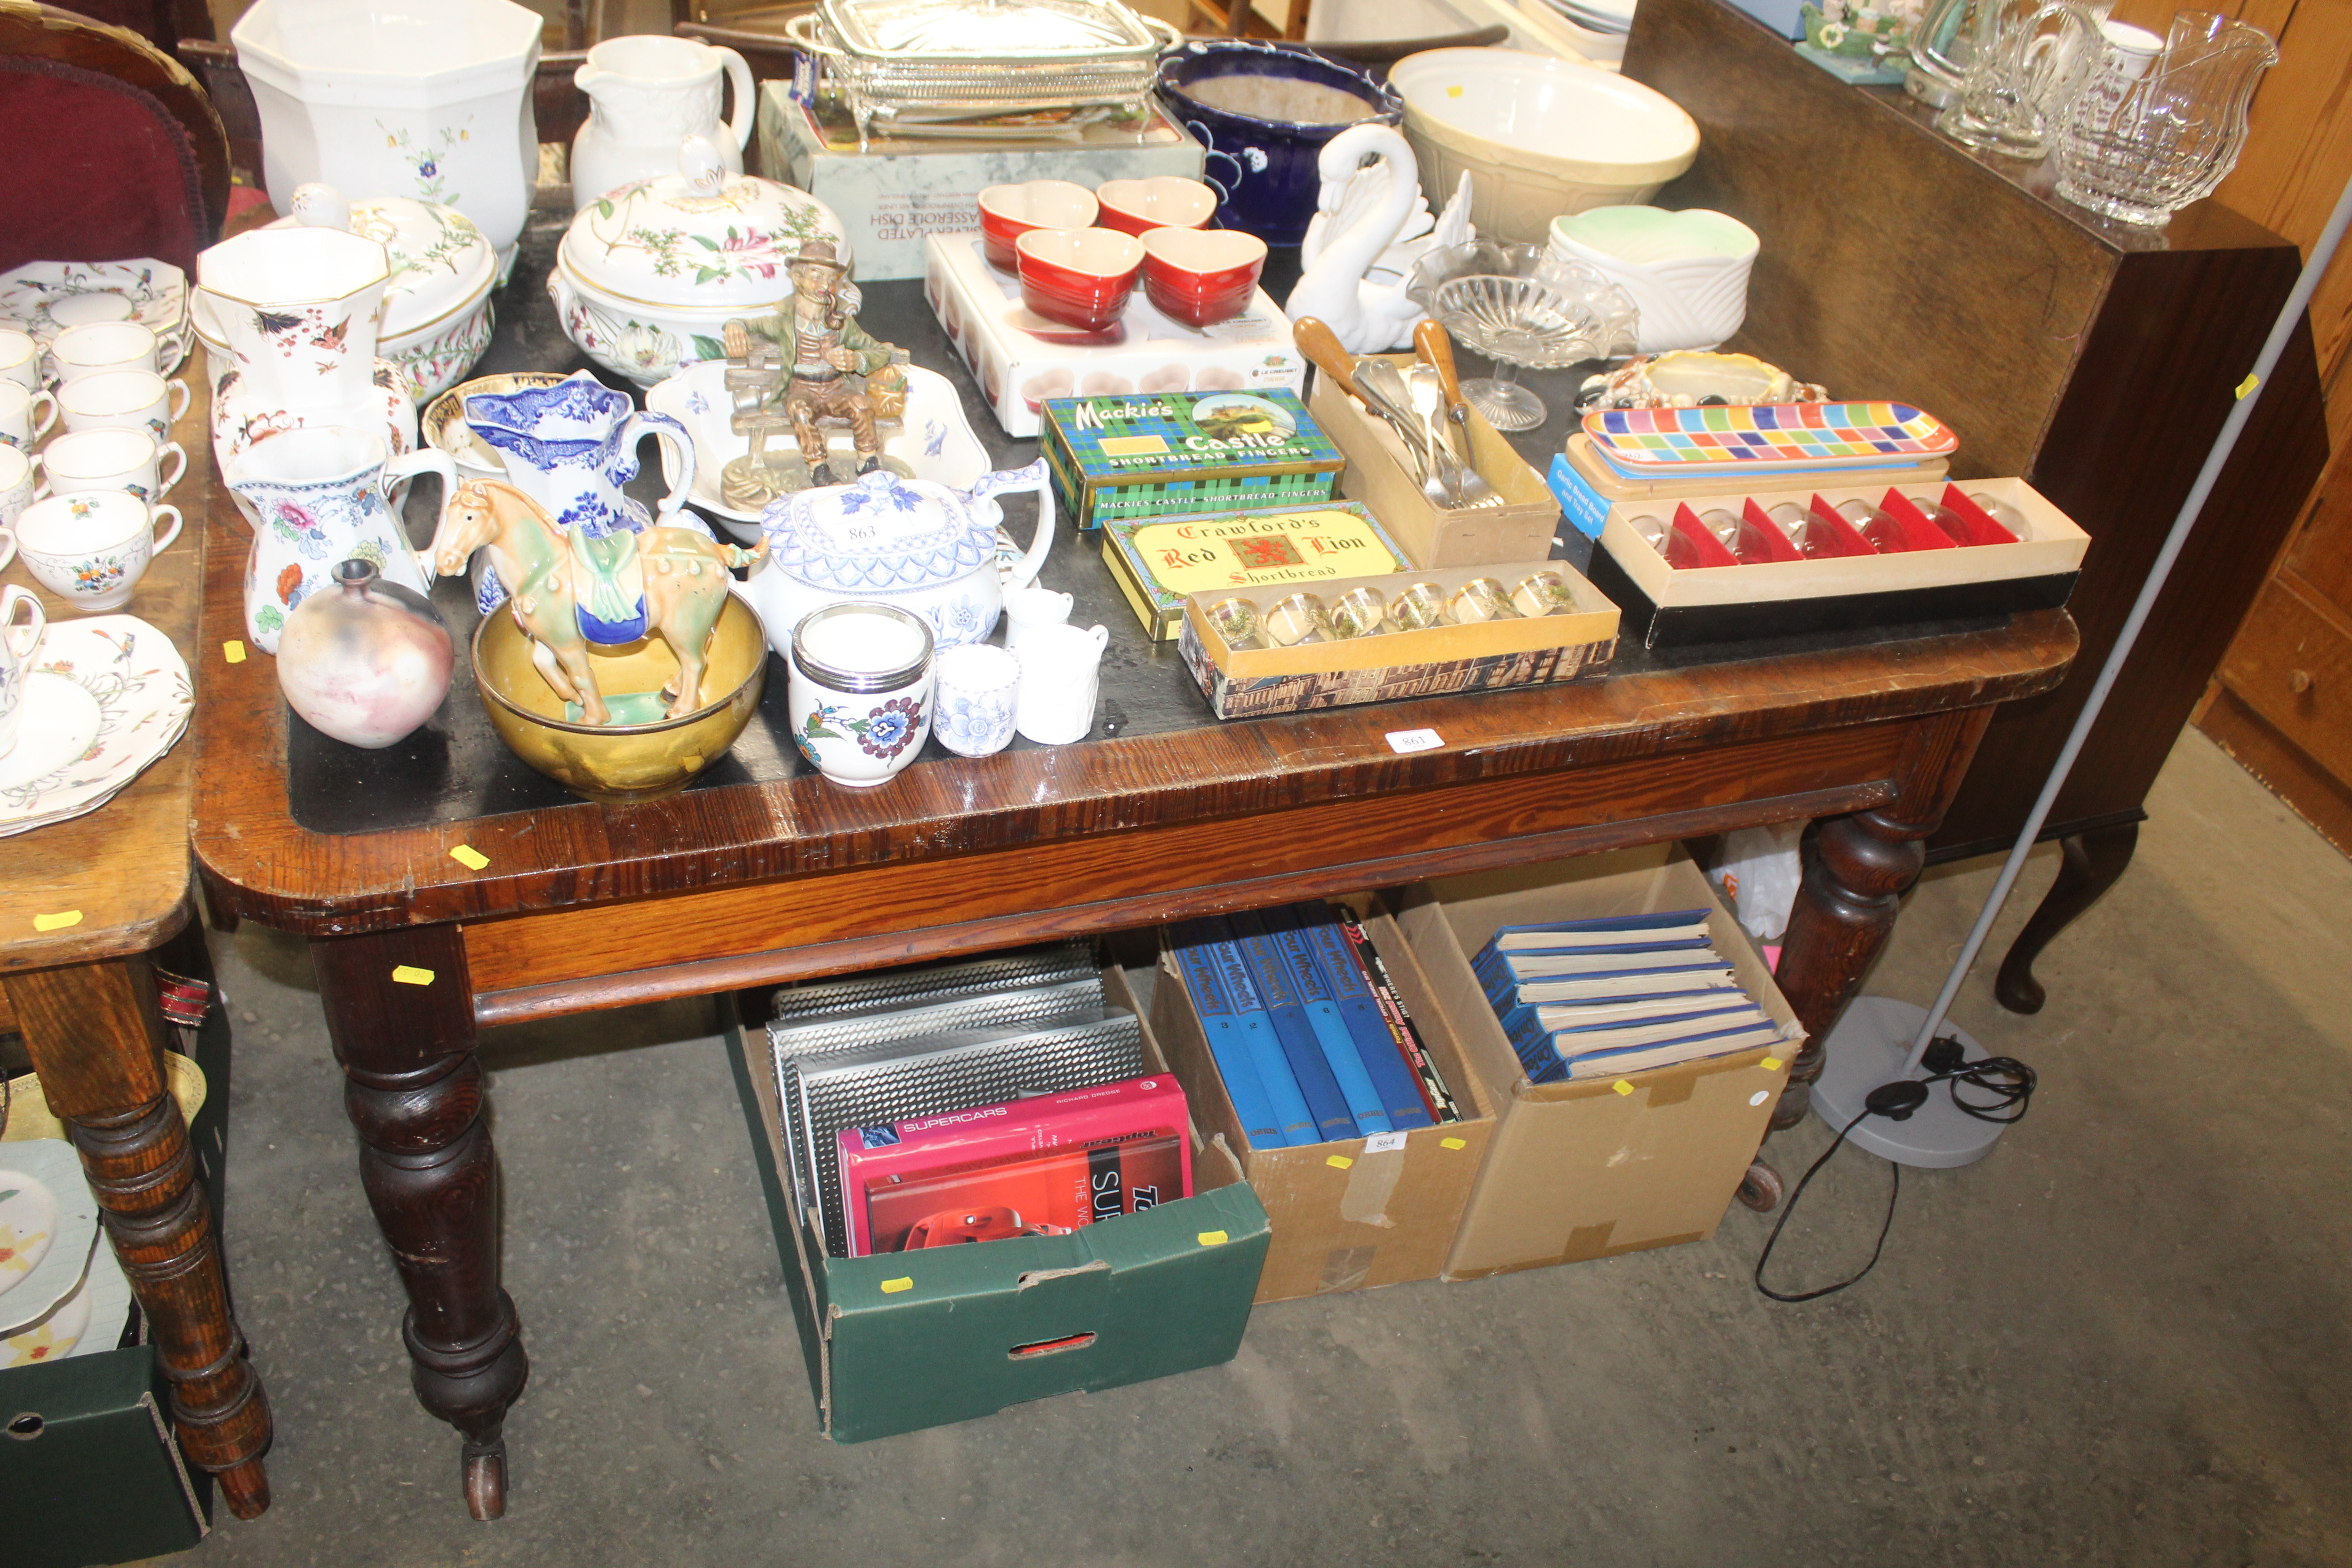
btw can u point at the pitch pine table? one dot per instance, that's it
(84, 906)
(580, 907)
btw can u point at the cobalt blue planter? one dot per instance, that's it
(1264, 169)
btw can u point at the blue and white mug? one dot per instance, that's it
(978, 695)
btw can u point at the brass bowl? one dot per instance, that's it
(620, 762)
(443, 424)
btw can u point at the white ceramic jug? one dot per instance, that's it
(645, 94)
(288, 319)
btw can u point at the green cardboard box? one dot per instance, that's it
(88, 1470)
(900, 1342)
(1167, 454)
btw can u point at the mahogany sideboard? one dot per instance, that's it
(2097, 360)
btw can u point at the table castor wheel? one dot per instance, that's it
(1761, 1188)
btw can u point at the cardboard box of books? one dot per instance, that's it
(1594, 1151)
(1313, 1051)
(899, 1341)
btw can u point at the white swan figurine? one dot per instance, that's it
(1370, 226)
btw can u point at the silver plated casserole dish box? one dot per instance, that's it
(917, 61)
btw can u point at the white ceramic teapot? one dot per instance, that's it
(921, 546)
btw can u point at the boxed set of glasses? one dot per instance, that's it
(1283, 649)
(1852, 554)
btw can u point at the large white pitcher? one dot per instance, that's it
(645, 94)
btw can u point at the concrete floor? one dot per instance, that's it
(2122, 1339)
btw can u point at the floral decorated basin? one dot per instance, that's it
(650, 274)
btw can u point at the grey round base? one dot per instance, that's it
(1866, 1049)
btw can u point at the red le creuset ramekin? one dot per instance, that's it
(1198, 276)
(1163, 201)
(1080, 276)
(1008, 212)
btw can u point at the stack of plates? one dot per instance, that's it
(106, 696)
(1612, 17)
(61, 1291)
(45, 298)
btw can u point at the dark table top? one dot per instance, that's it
(456, 768)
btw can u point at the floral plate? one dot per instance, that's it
(51, 1165)
(143, 701)
(103, 1301)
(934, 439)
(158, 292)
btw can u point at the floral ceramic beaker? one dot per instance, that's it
(319, 495)
(2151, 132)
(860, 691)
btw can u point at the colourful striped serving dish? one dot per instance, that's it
(1767, 438)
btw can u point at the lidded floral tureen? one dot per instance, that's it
(436, 309)
(650, 274)
(921, 546)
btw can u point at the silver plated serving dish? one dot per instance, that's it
(917, 61)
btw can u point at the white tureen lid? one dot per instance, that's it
(700, 237)
(440, 262)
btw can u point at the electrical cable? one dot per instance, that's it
(2009, 1081)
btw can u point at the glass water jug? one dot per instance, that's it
(2152, 131)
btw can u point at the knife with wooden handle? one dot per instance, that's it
(1436, 346)
(1321, 346)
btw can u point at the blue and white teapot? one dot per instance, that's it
(915, 544)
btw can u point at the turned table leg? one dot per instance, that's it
(401, 1012)
(97, 1038)
(1852, 889)
(2089, 865)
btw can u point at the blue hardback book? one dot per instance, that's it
(1670, 1053)
(1551, 934)
(1537, 1046)
(1507, 988)
(1282, 1091)
(1331, 1030)
(1280, 998)
(1360, 1010)
(1228, 1034)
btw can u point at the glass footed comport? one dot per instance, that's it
(2153, 131)
(1524, 309)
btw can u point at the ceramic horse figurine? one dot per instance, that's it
(678, 578)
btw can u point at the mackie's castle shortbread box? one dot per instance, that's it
(1117, 458)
